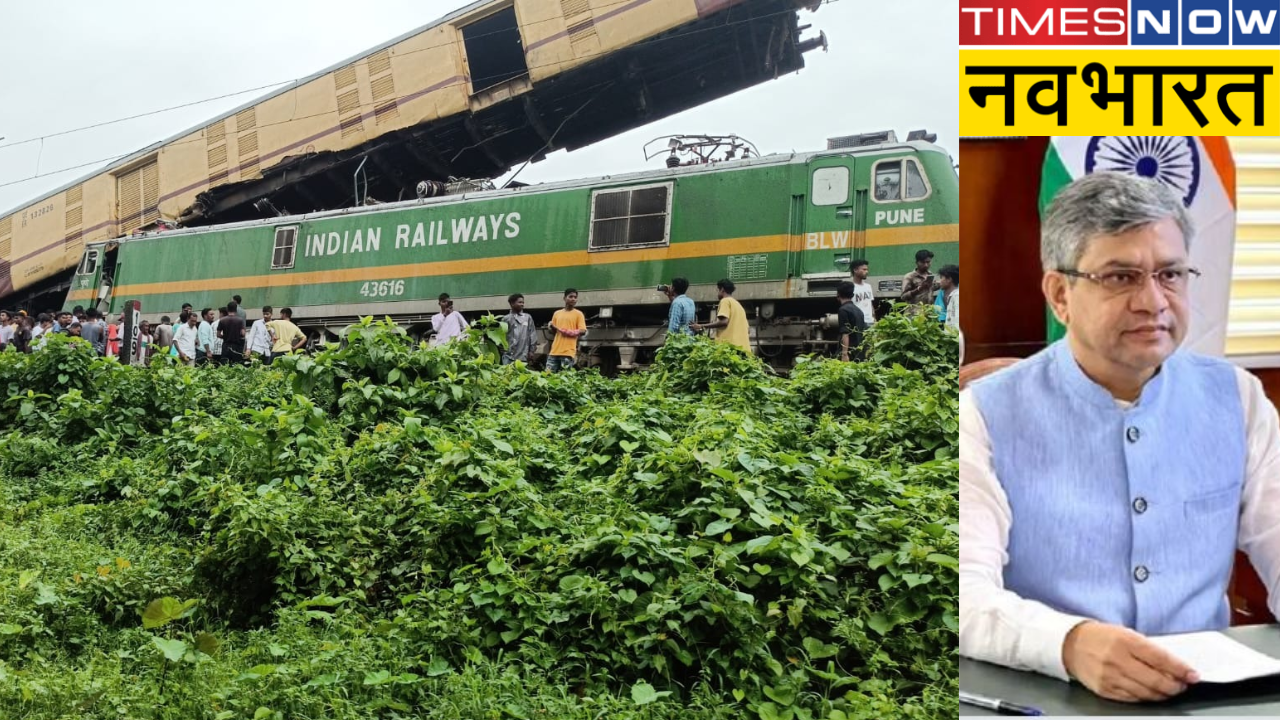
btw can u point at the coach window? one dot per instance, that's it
(282, 254)
(830, 186)
(495, 51)
(630, 217)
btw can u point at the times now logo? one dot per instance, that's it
(1120, 22)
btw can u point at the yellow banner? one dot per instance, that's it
(1100, 91)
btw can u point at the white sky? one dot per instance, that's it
(65, 64)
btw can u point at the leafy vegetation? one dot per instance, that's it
(386, 530)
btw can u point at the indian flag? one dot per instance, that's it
(1201, 172)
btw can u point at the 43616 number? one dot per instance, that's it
(385, 288)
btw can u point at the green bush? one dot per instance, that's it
(386, 530)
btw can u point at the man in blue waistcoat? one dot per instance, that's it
(1106, 482)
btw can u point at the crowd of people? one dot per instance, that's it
(225, 336)
(568, 326)
(25, 333)
(856, 298)
(201, 338)
(220, 336)
(920, 287)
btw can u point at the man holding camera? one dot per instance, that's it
(449, 323)
(682, 310)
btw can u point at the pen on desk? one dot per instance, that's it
(1004, 707)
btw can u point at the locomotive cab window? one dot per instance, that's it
(830, 186)
(890, 185)
(90, 263)
(630, 217)
(917, 187)
(282, 254)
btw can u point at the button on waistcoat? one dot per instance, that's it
(1125, 516)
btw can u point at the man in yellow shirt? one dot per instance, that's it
(569, 325)
(288, 336)
(731, 319)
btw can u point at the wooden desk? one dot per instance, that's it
(1260, 698)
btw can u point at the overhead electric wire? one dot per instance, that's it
(176, 143)
(61, 170)
(140, 115)
(82, 128)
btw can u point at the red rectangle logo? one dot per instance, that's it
(1044, 22)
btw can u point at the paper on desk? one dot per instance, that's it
(1218, 658)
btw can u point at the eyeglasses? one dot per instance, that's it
(1127, 280)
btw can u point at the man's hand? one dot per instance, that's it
(1119, 664)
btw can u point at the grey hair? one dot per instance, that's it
(1105, 203)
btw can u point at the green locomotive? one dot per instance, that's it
(783, 227)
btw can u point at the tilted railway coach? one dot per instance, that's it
(784, 227)
(475, 93)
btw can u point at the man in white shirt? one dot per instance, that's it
(42, 330)
(863, 296)
(1106, 482)
(6, 328)
(187, 339)
(261, 337)
(215, 350)
(449, 323)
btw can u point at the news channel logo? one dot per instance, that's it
(1204, 22)
(1144, 23)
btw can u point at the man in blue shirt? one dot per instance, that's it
(682, 310)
